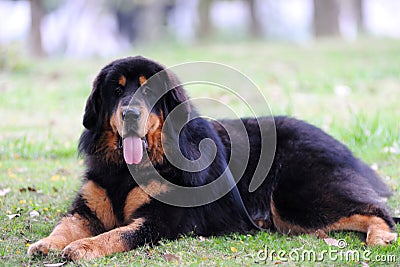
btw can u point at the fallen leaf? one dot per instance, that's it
(171, 257)
(29, 189)
(391, 150)
(340, 243)
(54, 264)
(55, 178)
(12, 216)
(63, 171)
(321, 234)
(331, 241)
(234, 250)
(21, 170)
(342, 90)
(11, 174)
(4, 191)
(34, 213)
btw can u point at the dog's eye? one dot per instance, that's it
(118, 91)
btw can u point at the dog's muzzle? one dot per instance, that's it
(133, 140)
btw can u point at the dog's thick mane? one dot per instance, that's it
(96, 127)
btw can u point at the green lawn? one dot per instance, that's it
(41, 107)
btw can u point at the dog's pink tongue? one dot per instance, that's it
(133, 150)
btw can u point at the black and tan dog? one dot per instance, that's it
(314, 183)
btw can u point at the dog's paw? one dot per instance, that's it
(83, 249)
(43, 246)
(380, 237)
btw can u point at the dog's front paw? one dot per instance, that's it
(83, 249)
(43, 246)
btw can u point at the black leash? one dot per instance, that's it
(239, 201)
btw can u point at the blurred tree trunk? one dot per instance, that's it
(151, 19)
(35, 34)
(205, 28)
(359, 14)
(326, 18)
(255, 29)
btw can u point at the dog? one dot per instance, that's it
(314, 183)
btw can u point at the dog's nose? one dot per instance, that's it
(130, 114)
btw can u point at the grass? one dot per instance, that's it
(41, 108)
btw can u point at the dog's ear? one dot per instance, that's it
(176, 98)
(93, 104)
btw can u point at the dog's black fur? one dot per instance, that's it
(313, 183)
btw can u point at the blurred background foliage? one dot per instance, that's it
(105, 28)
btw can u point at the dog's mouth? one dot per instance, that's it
(137, 134)
(132, 147)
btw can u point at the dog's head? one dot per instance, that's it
(128, 106)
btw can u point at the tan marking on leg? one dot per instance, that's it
(142, 80)
(122, 80)
(138, 197)
(154, 134)
(69, 229)
(135, 199)
(99, 203)
(286, 227)
(101, 245)
(378, 231)
(155, 188)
